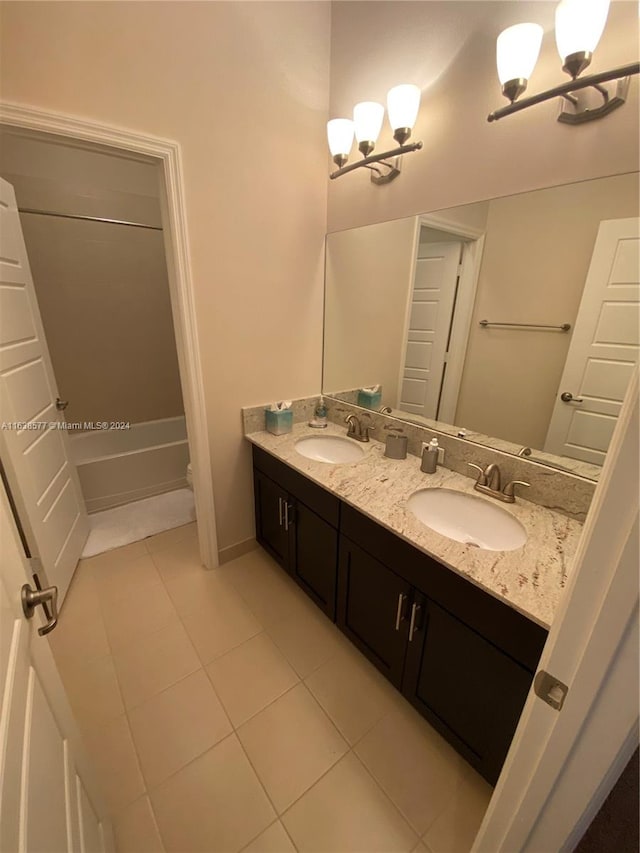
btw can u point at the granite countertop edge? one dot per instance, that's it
(530, 579)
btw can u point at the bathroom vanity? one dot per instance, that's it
(457, 629)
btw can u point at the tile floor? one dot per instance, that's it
(225, 713)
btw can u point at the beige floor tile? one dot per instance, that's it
(307, 640)
(353, 693)
(346, 811)
(192, 589)
(93, 690)
(82, 598)
(128, 578)
(413, 764)
(139, 614)
(272, 840)
(136, 830)
(250, 677)
(266, 588)
(171, 537)
(113, 754)
(79, 636)
(290, 744)
(454, 830)
(176, 726)
(222, 622)
(216, 803)
(154, 663)
(116, 555)
(179, 557)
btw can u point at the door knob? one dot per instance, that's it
(567, 397)
(61, 405)
(48, 598)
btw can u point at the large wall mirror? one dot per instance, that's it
(515, 319)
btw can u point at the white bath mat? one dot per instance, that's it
(132, 522)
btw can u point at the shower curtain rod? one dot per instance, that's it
(89, 218)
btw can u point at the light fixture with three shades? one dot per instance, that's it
(403, 103)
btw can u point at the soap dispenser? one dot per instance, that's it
(319, 420)
(430, 457)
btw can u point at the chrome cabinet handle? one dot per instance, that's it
(47, 598)
(280, 511)
(61, 405)
(401, 600)
(567, 397)
(412, 625)
(287, 521)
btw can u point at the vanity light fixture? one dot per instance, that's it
(403, 103)
(579, 26)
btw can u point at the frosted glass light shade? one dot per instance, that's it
(579, 25)
(517, 50)
(367, 120)
(403, 103)
(340, 136)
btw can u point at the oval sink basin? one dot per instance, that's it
(467, 519)
(329, 448)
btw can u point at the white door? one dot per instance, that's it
(429, 326)
(563, 763)
(43, 479)
(48, 801)
(604, 347)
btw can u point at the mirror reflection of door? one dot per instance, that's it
(429, 327)
(604, 347)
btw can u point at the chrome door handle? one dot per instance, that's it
(48, 598)
(280, 511)
(401, 600)
(412, 625)
(567, 397)
(61, 405)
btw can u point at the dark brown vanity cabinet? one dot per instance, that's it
(297, 523)
(463, 658)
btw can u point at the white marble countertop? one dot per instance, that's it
(530, 579)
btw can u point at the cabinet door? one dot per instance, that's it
(270, 501)
(314, 550)
(469, 690)
(372, 608)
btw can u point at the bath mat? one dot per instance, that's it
(130, 523)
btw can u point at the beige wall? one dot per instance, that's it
(536, 257)
(102, 289)
(369, 276)
(448, 48)
(243, 88)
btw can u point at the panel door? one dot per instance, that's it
(315, 557)
(430, 315)
(48, 802)
(470, 690)
(271, 533)
(604, 347)
(373, 605)
(44, 480)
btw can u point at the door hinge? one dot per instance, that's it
(550, 690)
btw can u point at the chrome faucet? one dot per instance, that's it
(356, 430)
(488, 483)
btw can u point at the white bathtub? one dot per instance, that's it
(119, 466)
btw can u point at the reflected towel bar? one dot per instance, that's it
(563, 328)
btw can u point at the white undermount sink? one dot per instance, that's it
(329, 448)
(467, 519)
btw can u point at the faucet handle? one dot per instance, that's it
(482, 478)
(508, 490)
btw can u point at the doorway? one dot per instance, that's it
(163, 157)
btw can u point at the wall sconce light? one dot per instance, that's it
(403, 103)
(579, 26)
